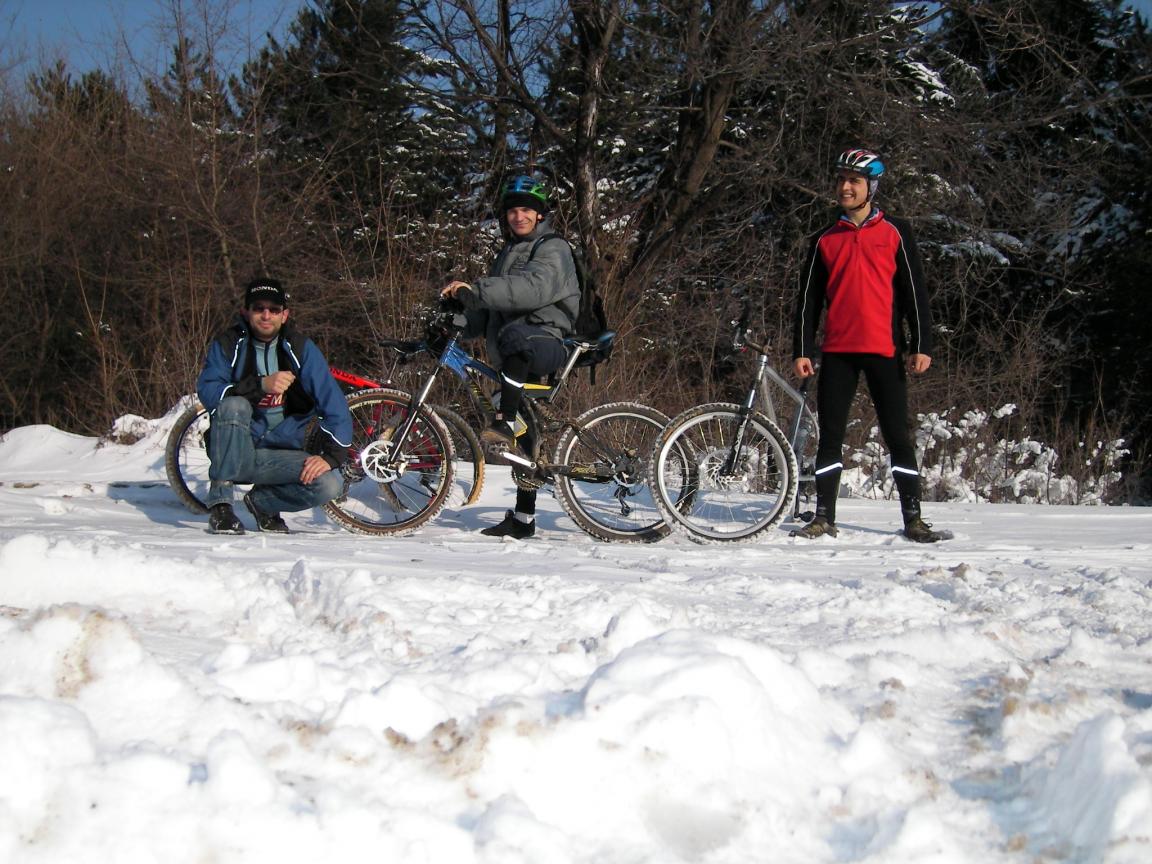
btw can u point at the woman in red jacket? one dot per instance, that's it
(865, 270)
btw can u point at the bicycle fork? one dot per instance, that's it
(733, 458)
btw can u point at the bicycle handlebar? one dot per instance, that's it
(742, 335)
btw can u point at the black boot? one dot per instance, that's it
(270, 522)
(818, 527)
(222, 520)
(511, 527)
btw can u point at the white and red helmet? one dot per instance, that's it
(866, 162)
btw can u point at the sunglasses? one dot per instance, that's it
(264, 307)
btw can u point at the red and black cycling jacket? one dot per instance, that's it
(871, 279)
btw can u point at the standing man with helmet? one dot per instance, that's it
(524, 307)
(865, 270)
(263, 383)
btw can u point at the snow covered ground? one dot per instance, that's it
(170, 696)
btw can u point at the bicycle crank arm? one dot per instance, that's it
(517, 459)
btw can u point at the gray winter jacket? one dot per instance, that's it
(544, 291)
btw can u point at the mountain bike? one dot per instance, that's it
(726, 471)
(598, 465)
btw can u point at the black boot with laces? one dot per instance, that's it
(818, 527)
(919, 531)
(498, 440)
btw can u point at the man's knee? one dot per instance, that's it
(328, 486)
(235, 409)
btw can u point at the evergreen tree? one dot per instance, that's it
(1063, 128)
(346, 98)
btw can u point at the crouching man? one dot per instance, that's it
(263, 383)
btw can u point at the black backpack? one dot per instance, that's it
(591, 320)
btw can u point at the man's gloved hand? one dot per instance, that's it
(451, 304)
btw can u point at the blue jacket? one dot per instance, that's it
(230, 370)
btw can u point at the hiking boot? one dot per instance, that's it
(221, 520)
(498, 440)
(818, 527)
(511, 527)
(270, 522)
(920, 531)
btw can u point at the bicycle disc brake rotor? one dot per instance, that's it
(711, 473)
(377, 461)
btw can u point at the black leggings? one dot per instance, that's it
(839, 377)
(529, 353)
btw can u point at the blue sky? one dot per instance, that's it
(87, 32)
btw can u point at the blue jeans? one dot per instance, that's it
(275, 474)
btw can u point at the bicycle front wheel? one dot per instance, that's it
(393, 487)
(468, 465)
(714, 483)
(186, 458)
(601, 464)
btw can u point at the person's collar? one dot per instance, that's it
(873, 215)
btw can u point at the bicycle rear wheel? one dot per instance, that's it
(186, 458)
(601, 465)
(713, 484)
(393, 487)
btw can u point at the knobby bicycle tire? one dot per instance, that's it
(468, 465)
(383, 493)
(711, 493)
(602, 476)
(186, 458)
